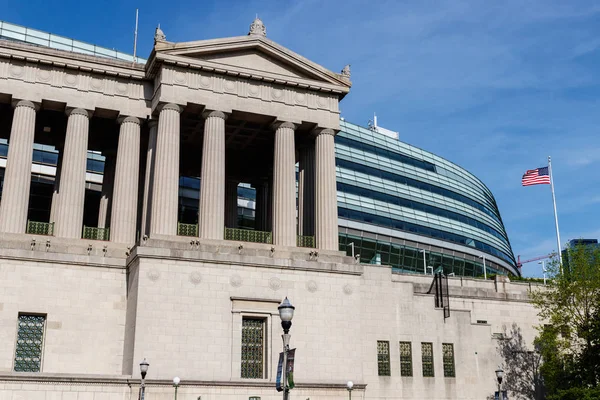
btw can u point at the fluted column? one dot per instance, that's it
(148, 179)
(56, 190)
(306, 192)
(106, 196)
(326, 228)
(284, 186)
(124, 205)
(165, 186)
(211, 214)
(231, 204)
(69, 218)
(261, 207)
(17, 175)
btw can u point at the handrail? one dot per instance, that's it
(40, 228)
(247, 235)
(94, 233)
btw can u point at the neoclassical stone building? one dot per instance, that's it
(78, 315)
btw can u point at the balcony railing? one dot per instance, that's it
(245, 235)
(40, 228)
(187, 229)
(93, 233)
(305, 241)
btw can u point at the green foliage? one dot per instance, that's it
(576, 393)
(569, 342)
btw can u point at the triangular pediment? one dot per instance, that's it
(252, 56)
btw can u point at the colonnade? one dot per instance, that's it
(119, 201)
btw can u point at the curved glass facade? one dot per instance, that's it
(384, 183)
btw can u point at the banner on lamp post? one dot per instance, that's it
(289, 372)
(279, 372)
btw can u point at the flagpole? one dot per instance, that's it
(555, 214)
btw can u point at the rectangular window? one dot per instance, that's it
(30, 342)
(427, 359)
(383, 358)
(448, 353)
(406, 359)
(253, 348)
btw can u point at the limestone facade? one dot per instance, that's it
(228, 110)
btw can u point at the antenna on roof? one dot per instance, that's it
(135, 37)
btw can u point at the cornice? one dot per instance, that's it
(73, 61)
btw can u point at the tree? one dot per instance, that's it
(570, 306)
(521, 366)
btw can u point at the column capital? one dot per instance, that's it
(78, 111)
(283, 124)
(170, 106)
(26, 103)
(125, 119)
(214, 114)
(323, 131)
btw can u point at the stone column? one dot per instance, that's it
(69, 218)
(17, 175)
(231, 204)
(165, 185)
(326, 228)
(306, 192)
(107, 190)
(124, 206)
(284, 186)
(261, 206)
(149, 178)
(56, 190)
(211, 214)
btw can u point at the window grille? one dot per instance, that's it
(406, 359)
(448, 353)
(30, 340)
(253, 348)
(427, 359)
(383, 358)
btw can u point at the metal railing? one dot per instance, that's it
(93, 233)
(305, 241)
(40, 228)
(187, 229)
(246, 235)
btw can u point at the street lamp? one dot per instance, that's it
(499, 376)
(143, 371)
(349, 386)
(543, 263)
(484, 267)
(286, 313)
(176, 381)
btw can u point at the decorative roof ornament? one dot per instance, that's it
(257, 28)
(346, 71)
(159, 35)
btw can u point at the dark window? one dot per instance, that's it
(253, 348)
(406, 359)
(427, 359)
(448, 353)
(383, 358)
(30, 342)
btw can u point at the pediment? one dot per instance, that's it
(253, 56)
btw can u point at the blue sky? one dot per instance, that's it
(495, 87)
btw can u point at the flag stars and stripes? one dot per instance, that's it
(538, 176)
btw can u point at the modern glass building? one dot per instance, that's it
(398, 205)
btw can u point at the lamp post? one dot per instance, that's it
(176, 381)
(286, 313)
(349, 386)
(484, 267)
(499, 376)
(143, 371)
(424, 262)
(543, 263)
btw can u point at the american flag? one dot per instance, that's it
(538, 176)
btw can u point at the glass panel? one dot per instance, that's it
(427, 357)
(30, 338)
(406, 359)
(383, 358)
(448, 353)
(253, 334)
